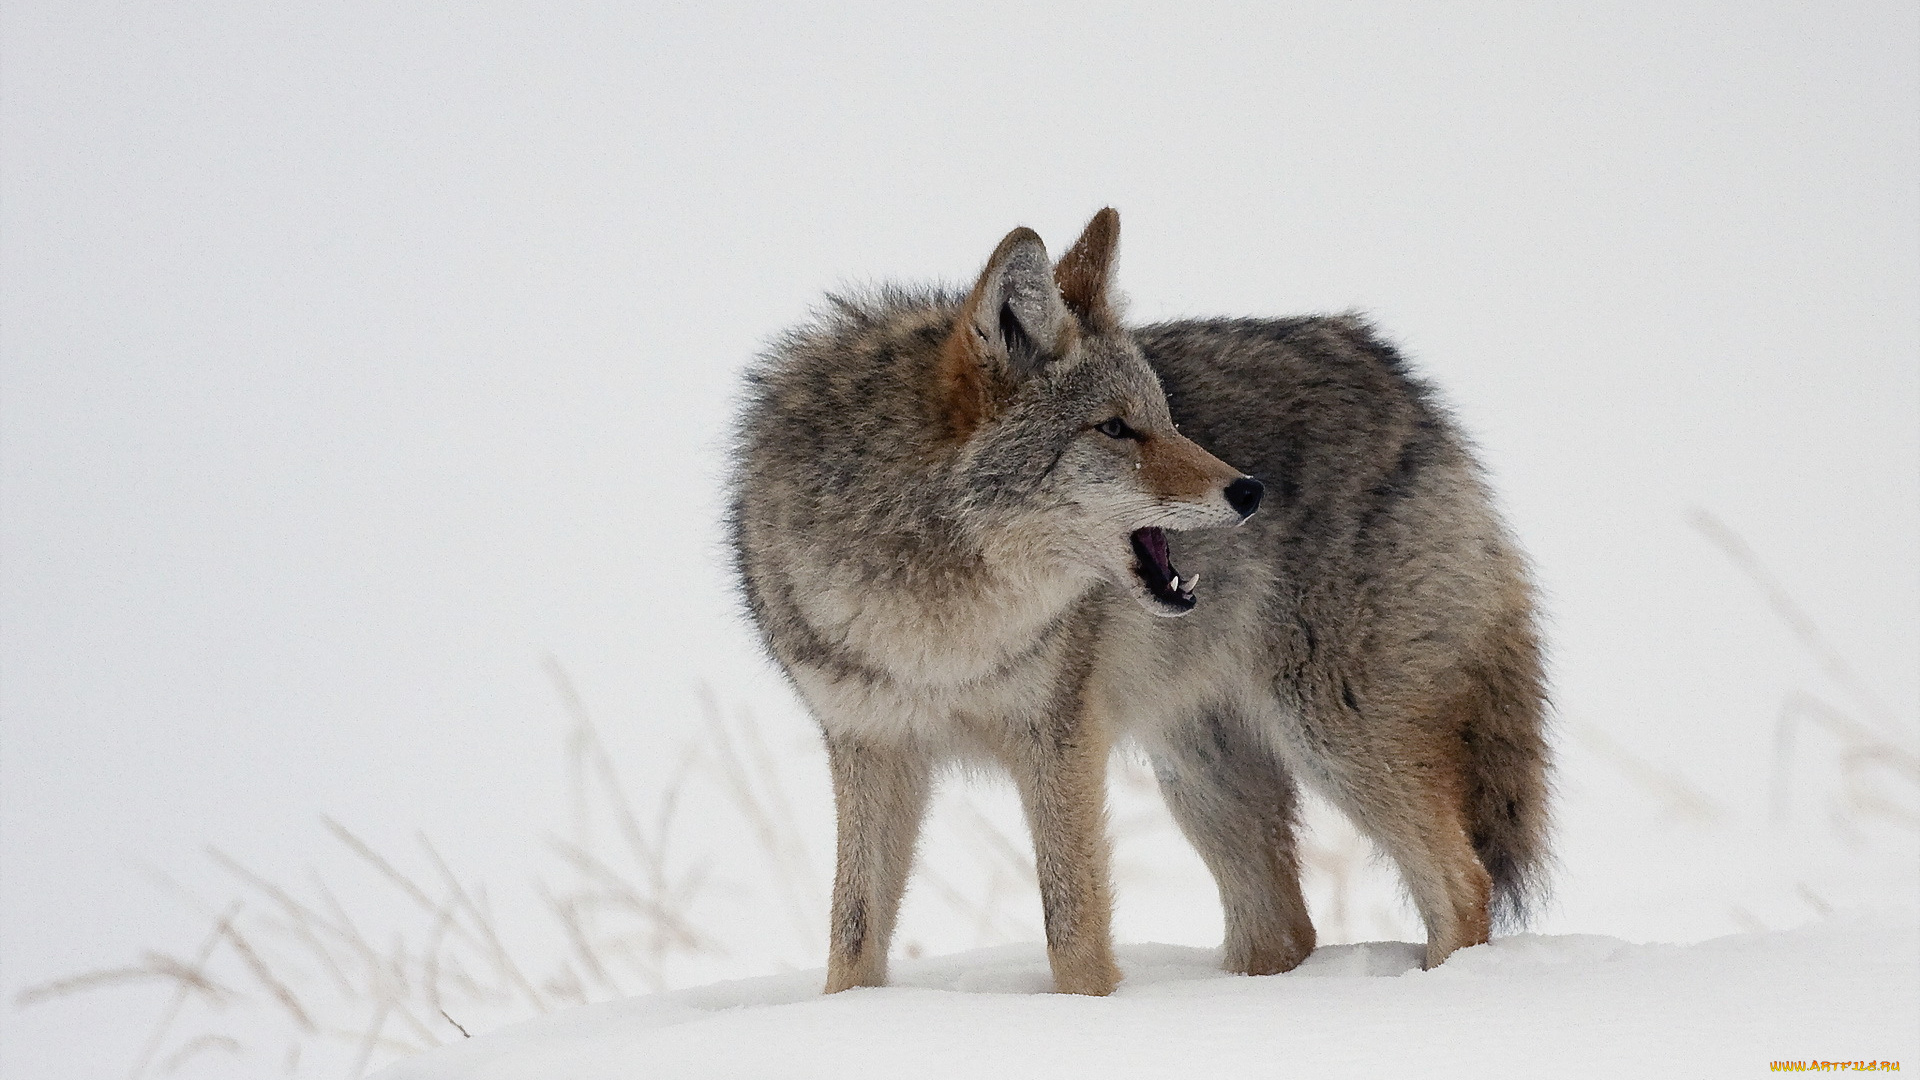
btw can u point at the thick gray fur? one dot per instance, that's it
(943, 581)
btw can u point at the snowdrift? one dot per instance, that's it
(1530, 1005)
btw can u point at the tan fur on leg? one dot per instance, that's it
(1236, 802)
(880, 794)
(1062, 776)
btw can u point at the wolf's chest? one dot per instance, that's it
(954, 721)
(930, 668)
(940, 639)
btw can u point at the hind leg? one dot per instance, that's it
(1412, 801)
(1236, 803)
(880, 796)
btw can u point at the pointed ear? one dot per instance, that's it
(1014, 318)
(1011, 326)
(1085, 273)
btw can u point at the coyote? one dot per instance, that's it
(975, 525)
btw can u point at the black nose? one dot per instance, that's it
(1244, 495)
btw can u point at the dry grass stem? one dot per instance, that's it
(196, 1047)
(275, 988)
(1674, 792)
(760, 796)
(496, 950)
(183, 987)
(1790, 612)
(1869, 759)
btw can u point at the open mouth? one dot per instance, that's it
(1155, 567)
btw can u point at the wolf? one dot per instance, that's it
(974, 525)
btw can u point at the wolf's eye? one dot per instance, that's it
(1114, 428)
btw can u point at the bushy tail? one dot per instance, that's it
(1507, 761)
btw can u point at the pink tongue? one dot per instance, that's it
(1155, 543)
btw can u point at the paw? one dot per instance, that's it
(1265, 958)
(846, 977)
(1095, 977)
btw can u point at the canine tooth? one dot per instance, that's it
(1176, 583)
(1193, 581)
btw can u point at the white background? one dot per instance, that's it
(357, 356)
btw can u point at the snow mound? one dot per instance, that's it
(1568, 1006)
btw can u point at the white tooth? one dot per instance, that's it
(1193, 581)
(1176, 583)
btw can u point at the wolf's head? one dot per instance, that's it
(1067, 447)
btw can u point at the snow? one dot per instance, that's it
(356, 358)
(1545, 1005)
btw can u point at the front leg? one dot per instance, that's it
(880, 796)
(1060, 766)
